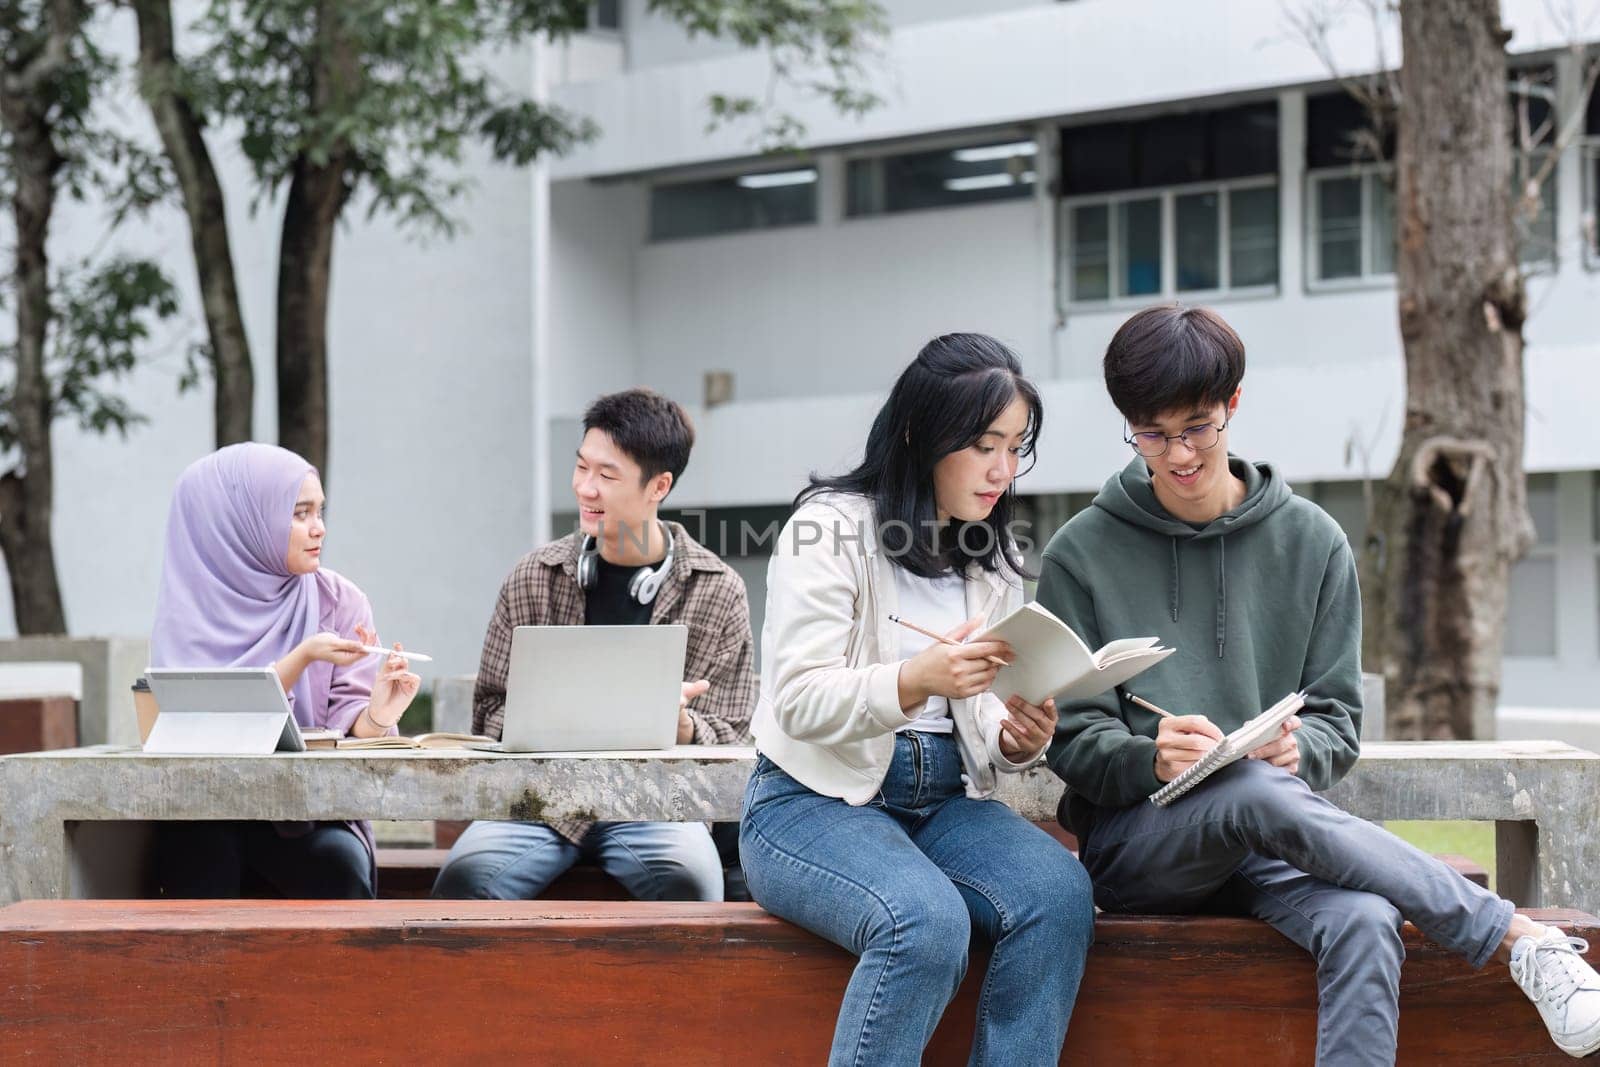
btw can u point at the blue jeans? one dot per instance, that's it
(519, 860)
(904, 882)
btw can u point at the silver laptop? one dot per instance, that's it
(593, 688)
(222, 711)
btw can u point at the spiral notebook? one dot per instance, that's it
(1243, 741)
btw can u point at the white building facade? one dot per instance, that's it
(1039, 171)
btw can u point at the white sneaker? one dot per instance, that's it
(1562, 985)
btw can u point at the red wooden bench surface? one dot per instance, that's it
(409, 873)
(565, 982)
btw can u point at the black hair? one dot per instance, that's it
(943, 402)
(650, 429)
(1168, 358)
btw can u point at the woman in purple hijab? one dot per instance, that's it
(243, 585)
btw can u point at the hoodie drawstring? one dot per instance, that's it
(1222, 595)
(1222, 591)
(1174, 596)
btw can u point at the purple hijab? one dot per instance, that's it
(227, 597)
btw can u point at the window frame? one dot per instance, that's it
(1540, 550)
(816, 182)
(1368, 278)
(1588, 149)
(595, 27)
(876, 156)
(1167, 197)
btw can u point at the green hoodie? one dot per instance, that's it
(1260, 602)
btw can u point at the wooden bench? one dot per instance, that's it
(409, 873)
(424, 981)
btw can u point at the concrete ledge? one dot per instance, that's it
(1545, 796)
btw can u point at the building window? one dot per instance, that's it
(1532, 98)
(1351, 231)
(756, 201)
(975, 174)
(1594, 497)
(1219, 238)
(1531, 606)
(606, 15)
(1176, 204)
(1350, 216)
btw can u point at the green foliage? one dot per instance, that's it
(93, 159)
(394, 92)
(101, 315)
(390, 90)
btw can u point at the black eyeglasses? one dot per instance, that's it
(1151, 445)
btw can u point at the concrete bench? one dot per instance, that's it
(558, 982)
(64, 816)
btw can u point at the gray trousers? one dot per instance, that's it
(1255, 840)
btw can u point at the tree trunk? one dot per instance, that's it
(25, 493)
(1452, 516)
(180, 129)
(305, 263)
(317, 194)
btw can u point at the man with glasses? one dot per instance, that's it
(1256, 589)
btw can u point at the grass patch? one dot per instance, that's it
(1474, 840)
(418, 718)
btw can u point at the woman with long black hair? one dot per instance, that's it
(868, 819)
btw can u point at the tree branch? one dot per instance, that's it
(66, 17)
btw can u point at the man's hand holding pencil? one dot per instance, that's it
(1182, 739)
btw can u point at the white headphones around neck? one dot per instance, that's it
(646, 581)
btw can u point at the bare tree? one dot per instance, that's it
(1452, 517)
(77, 326)
(181, 126)
(28, 90)
(1447, 524)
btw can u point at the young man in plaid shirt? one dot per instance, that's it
(635, 447)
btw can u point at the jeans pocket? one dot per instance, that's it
(768, 781)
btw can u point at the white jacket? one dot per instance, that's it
(830, 657)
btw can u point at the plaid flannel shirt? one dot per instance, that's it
(702, 593)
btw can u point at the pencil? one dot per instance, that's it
(996, 660)
(1143, 703)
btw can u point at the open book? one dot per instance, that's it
(331, 739)
(1243, 741)
(1052, 661)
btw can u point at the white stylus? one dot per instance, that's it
(379, 650)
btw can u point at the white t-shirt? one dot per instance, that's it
(937, 604)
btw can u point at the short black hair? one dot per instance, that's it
(1170, 357)
(650, 429)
